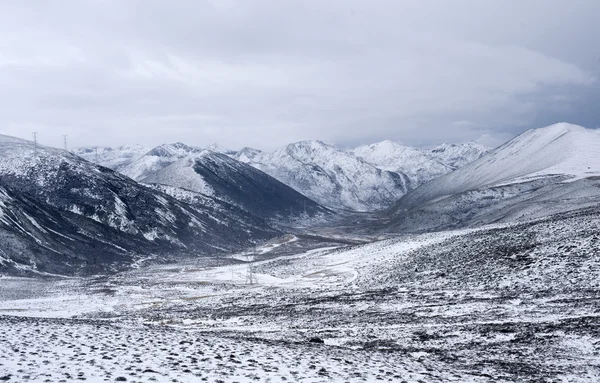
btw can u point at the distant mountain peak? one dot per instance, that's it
(246, 155)
(458, 155)
(220, 149)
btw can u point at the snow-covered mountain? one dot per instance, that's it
(112, 158)
(458, 155)
(246, 155)
(220, 149)
(61, 213)
(420, 166)
(540, 172)
(332, 177)
(220, 176)
(370, 177)
(158, 158)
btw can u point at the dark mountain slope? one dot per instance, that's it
(220, 176)
(101, 215)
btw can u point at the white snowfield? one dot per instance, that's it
(143, 349)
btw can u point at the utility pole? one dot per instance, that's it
(250, 278)
(65, 141)
(35, 143)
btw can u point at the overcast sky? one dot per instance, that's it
(266, 73)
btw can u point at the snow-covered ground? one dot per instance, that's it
(508, 303)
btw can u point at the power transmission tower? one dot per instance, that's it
(250, 277)
(65, 141)
(96, 161)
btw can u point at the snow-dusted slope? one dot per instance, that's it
(60, 213)
(112, 158)
(525, 176)
(458, 155)
(420, 166)
(181, 174)
(220, 149)
(158, 158)
(227, 179)
(331, 176)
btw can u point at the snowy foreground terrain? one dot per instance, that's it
(506, 303)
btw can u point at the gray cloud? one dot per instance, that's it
(265, 73)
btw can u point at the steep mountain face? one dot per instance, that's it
(458, 155)
(62, 213)
(158, 158)
(542, 171)
(330, 176)
(420, 166)
(224, 178)
(113, 158)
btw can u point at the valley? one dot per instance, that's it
(488, 272)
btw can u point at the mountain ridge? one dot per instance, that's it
(56, 203)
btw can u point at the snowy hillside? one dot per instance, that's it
(158, 158)
(330, 176)
(560, 149)
(540, 172)
(112, 158)
(218, 175)
(507, 303)
(57, 210)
